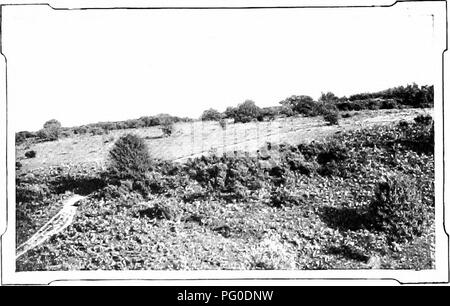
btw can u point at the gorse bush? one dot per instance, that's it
(397, 209)
(167, 127)
(51, 130)
(282, 196)
(331, 116)
(245, 112)
(31, 192)
(211, 115)
(23, 136)
(328, 97)
(410, 95)
(303, 105)
(420, 135)
(30, 154)
(424, 119)
(129, 158)
(223, 123)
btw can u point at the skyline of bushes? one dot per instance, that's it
(410, 95)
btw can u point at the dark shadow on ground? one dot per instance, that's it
(154, 137)
(78, 185)
(348, 252)
(343, 218)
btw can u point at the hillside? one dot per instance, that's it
(355, 196)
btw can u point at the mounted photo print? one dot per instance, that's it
(150, 140)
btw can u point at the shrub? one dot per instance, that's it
(420, 135)
(20, 138)
(351, 105)
(167, 127)
(245, 112)
(330, 156)
(23, 136)
(151, 182)
(331, 116)
(303, 105)
(230, 112)
(80, 130)
(52, 123)
(49, 134)
(129, 158)
(389, 104)
(281, 196)
(30, 154)
(66, 133)
(268, 112)
(424, 119)
(162, 210)
(397, 209)
(211, 115)
(410, 95)
(51, 130)
(223, 123)
(287, 111)
(328, 97)
(30, 192)
(98, 131)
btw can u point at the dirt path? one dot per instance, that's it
(55, 225)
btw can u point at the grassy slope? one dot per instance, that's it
(192, 139)
(214, 234)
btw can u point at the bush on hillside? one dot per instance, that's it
(282, 197)
(245, 112)
(303, 105)
(268, 113)
(328, 97)
(27, 192)
(129, 158)
(331, 116)
(22, 136)
(51, 130)
(167, 127)
(410, 95)
(223, 123)
(98, 131)
(30, 154)
(397, 208)
(420, 135)
(424, 119)
(389, 104)
(211, 115)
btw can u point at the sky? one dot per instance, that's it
(88, 66)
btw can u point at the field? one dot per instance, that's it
(302, 202)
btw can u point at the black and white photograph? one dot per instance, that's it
(203, 140)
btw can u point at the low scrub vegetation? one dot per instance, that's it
(167, 127)
(330, 202)
(398, 209)
(211, 115)
(30, 154)
(51, 130)
(331, 116)
(129, 158)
